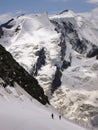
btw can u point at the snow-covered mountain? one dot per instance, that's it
(61, 51)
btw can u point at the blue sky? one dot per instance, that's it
(51, 6)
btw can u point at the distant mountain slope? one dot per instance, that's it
(61, 52)
(11, 72)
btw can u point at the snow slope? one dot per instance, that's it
(19, 112)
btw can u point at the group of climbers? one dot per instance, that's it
(52, 116)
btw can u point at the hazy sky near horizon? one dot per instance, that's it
(50, 6)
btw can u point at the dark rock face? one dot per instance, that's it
(6, 25)
(82, 46)
(40, 61)
(11, 71)
(57, 80)
(79, 45)
(65, 65)
(97, 57)
(66, 28)
(17, 29)
(94, 121)
(1, 32)
(93, 52)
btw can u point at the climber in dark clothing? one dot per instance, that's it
(60, 117)
(52, 116)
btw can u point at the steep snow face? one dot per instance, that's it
(29, 34)
(61, 52)
(34, 38)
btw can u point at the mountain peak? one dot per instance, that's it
(66, 10)
(65, 13)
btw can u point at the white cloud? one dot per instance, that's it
(5, 17)
(91, 16)
(92, 1)
(94, 14)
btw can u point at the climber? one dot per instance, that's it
(52, 116)
(60, 117)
